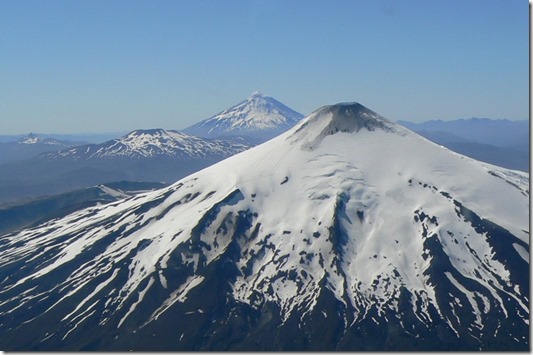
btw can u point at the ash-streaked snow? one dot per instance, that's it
(346, 202)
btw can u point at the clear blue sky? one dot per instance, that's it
(98, 66)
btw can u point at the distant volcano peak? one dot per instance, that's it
(256, 94)
(259, 117)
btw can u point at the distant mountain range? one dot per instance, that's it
(258, 118)
(37, 165)
(146, 155)
(500, 142)
(151, 144)
(142, 155)
(31, 145)
(84, 138)
(348, 232)
(498, 132)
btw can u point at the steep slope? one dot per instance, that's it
(24, 214)
(348, 232)
(259, 117)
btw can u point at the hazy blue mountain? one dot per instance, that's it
(498, 132)
(31, 145)
(501, 142)
(75, 137)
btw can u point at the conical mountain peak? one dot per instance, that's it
(348, 117)
(258, 117)
(352, 117)
(372, 228)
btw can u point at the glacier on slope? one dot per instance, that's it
(348, 232)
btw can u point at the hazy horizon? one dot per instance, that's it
(125, 131)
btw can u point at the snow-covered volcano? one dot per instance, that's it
(347, 232)
(258, 117)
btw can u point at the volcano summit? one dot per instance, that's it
(347, 232)
(258, 118)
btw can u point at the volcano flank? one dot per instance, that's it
(347, 232)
